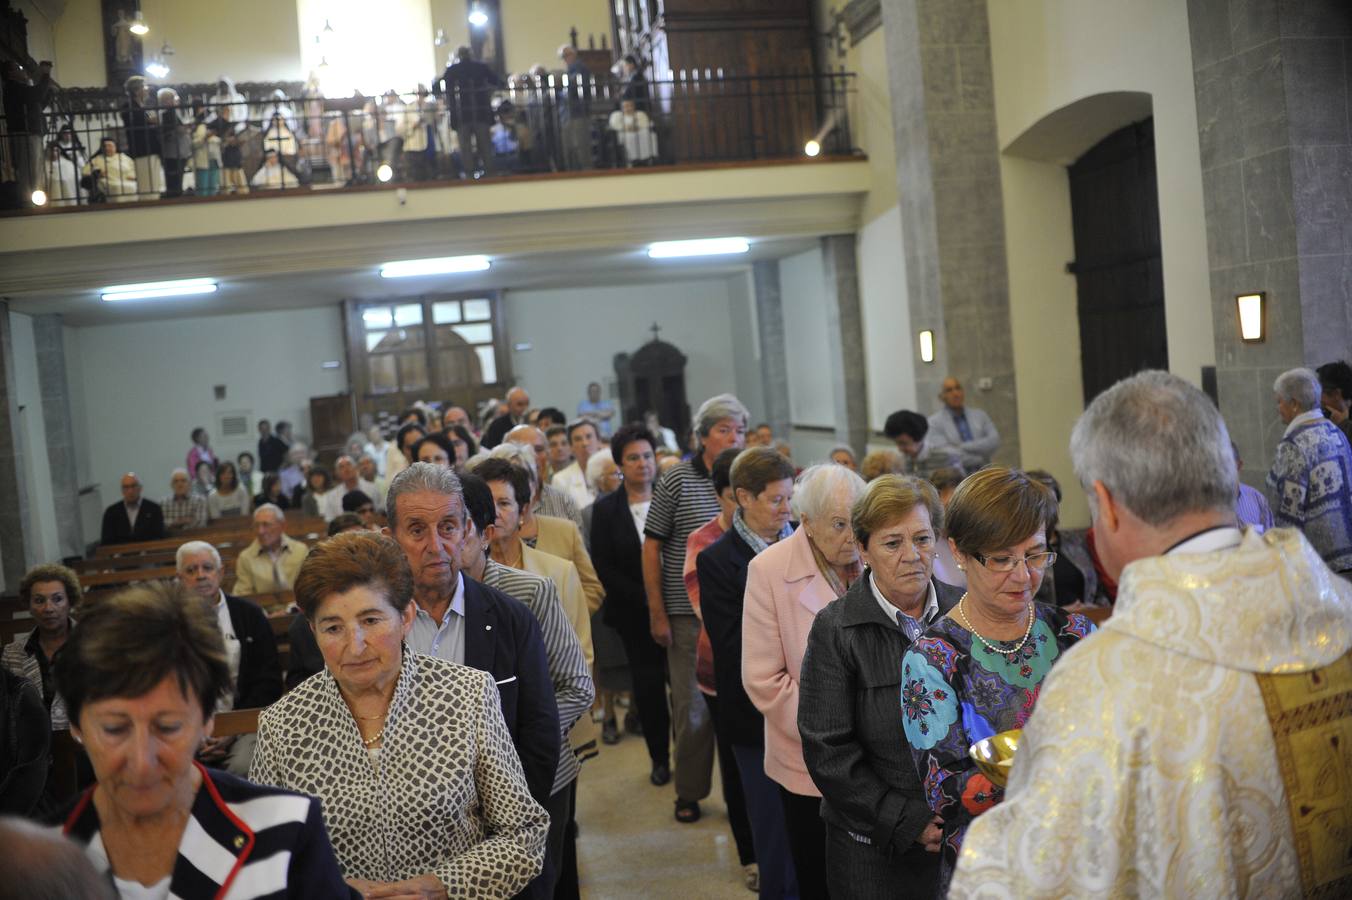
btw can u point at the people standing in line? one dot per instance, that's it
(683, 500)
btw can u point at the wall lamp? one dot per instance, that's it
(927, 346)
(814, 146)
(1252, 309)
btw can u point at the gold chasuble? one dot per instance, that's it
(1199, 745)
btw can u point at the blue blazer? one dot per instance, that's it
(502, 638)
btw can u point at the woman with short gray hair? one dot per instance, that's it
(786, 586)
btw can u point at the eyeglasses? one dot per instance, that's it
(1035, 562)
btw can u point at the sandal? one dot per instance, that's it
(687, 811)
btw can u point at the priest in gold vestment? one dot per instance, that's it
(1200, 744)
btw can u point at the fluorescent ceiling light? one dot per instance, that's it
(702, 247)
(441, 265)
(155, 290)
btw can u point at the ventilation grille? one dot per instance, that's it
(233, 425)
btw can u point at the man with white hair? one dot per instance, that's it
(272, 562)
(182, 508)
(250, 649)
(1192, 746)
(1311, 478)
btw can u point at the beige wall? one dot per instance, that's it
(373, 47)
(1046, 55)
(78, 41)
(532, 31)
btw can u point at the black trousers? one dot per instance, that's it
(648, 669)
(733, 797)
(807, 843)
(856, 871)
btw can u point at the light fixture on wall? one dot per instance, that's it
(1252, 309)
(440, 40)
(158, 67)
(927, 346)
(814, 146)
(39, 197)
(155, 290)
(477, 17)
(441, 265)
(138, 25)
(700, 247)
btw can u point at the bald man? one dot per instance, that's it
(518, 401)
(968, 431)
(133, 518)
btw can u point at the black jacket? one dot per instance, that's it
(260, 671)
(469, 88)
(496, 431)
(24, 103)
(117, 530)
(502, 638)
(271, 453)
(721, 568)
(143, 137)
(617, 554)
(305, 659)
(849, 717)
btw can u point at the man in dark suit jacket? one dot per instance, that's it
(518, 401)
(134, 519)
(463, 621)
(848, 716)
(617, 553)
(258, 681)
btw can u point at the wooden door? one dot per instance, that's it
(1118, 269)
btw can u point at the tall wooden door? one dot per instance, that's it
(1119, 278)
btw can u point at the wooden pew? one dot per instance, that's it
(238, 535)
(1098, 614)
(236, 721)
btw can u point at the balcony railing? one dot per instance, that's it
(102, 151)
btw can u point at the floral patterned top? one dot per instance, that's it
(956, 691)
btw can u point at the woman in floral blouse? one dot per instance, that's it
(977, 671)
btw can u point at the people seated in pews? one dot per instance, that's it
(435, 449)
(975, 672)
(409, 753)
(349, 521)
(249, 476)
(349, 480)
(228, 498)
(134, 518)
(462, 442)
(293, 472)
(368, 471)
(250, 649)
(50, 592)
(272, 493)
(204, 479)
(182, 508)
(141, 683)
(401, 452)
(460, 620)
(271, 562)
(1212, 705)
(312, 498)
(359, 504)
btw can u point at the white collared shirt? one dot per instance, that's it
(928, 615)
(232, 649)
(445, 640)
(1304, 419)
(1210, 541)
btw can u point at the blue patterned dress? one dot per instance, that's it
(956, 691)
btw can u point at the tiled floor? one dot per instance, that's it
(629, 845)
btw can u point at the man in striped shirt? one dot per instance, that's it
(568, 669)
(684, 500)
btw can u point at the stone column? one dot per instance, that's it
(1272, 90)
(845, 340)
(952, 214)
(770, 333)
(57, 422)
(14, 546)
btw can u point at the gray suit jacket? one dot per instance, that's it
(975, 453)
(849, 716)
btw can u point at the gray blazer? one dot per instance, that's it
(977, 452)
(849, 716)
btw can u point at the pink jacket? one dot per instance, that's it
(784, 592)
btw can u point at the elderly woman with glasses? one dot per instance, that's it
(977, 671)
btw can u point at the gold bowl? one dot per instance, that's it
(994, 756)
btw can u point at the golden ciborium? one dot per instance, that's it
(994, 756)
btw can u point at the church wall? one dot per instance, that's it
(802, 285)
(747, 350)
(78, 46)
(1047, 54)
(147, 385)
(575, 334)
(41, 35)
(889, 339)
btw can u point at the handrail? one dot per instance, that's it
(203, 146)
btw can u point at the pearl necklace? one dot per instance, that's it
(994, 649)
(374, 739)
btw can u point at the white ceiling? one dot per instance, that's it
(293, 290)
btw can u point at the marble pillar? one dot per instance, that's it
(845, 340)
(773, 357)
(54, 387)
(15, 550)
(952, 212)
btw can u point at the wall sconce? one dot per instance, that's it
(927, 346)
(1252, 310)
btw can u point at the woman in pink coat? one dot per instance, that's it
(787, 585)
